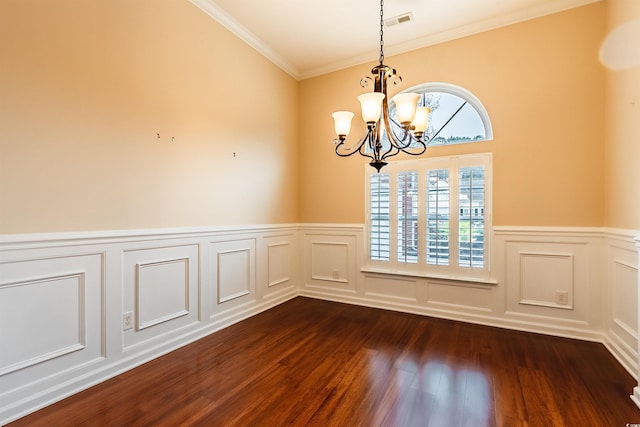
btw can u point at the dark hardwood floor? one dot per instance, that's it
(318, 363)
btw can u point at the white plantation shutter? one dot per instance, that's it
(379, 217)
(431, 216)
(407, 216)
(438, 217)
(471, 217)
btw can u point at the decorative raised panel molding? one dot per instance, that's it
(234, 274)
(59, 341)
(277, 255)
(549, 266)
(623, 307)
(339, 252)
(162, 291)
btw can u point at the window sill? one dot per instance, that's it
(451, 278)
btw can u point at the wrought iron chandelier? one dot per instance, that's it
(411, 121)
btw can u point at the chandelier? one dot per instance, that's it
(404, 133)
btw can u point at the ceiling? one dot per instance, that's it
(308, 38)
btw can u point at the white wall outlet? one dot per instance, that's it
(127, 321)
(562, 297)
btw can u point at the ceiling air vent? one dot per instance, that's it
(400, 19)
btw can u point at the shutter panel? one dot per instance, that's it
(471, 205)
(407, 219)
(438, 217)
(379, 216)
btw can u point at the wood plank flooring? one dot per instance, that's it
(316, 363)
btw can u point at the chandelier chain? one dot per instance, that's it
(381, 32)
(375, 112)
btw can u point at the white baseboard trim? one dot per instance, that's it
(624, 354)
(532, 326)
(635, 397)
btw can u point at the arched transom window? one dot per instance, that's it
(457, 116)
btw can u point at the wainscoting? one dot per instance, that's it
(571, 282)
(78, 308)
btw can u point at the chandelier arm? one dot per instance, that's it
(393, 151)
(380, 155)
(394, 140)
(399, 144)
(359, 147)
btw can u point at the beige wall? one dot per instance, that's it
(85, 86)
(543, 87)
(623, 130)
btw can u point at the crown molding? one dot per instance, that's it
(215, 12)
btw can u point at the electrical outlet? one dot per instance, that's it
(562, 297)
(127, 321)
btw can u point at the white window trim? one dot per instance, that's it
(422, 269)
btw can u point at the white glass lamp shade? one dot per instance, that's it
(421, 120)
(342, 122)
(406, 104)
(371, 105)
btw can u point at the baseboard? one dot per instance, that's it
(530, 325)
(624, 354)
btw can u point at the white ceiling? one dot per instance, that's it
(307, 38)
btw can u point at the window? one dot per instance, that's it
(457, 116)
(431, 216)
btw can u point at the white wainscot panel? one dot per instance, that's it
(625, 296)
(51, 309)
(546, 279)
(279, 263)
(459, 297)
(233, 272)
(330, 261)
(51, 319)
(160, 289)
(624, 292)
(385, 287)
(550, 281)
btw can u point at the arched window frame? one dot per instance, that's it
(461, 92)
